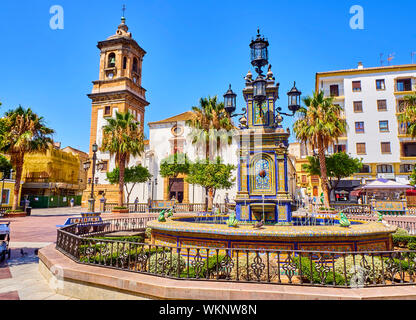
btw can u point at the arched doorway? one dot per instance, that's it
(176, 189)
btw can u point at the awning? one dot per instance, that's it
(355, 193)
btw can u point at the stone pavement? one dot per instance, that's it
(19, 276)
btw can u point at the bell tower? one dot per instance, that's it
(118, 88)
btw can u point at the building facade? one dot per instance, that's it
(52, 178)
(372, 99)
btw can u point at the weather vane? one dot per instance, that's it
(124, 10)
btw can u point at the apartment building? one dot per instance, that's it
(372, 99)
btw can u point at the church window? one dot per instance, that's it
(107, 110)
(125, 63)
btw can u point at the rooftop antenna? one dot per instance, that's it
(391, 57)
(124, 10)
(381, 59)
(413, 54)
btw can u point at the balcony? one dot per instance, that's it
(404, 87)
(408, 150)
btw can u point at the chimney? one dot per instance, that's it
(57, 145)
(360, 65)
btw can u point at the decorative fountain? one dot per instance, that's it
(263, 193)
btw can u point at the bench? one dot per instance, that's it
(160, 205)
(389, 207)
(90, 219)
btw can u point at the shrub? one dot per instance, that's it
(403, 240)
(120, 208)
(317, 277)
(148, 233)
(360, 269)
(401, 232)
(166, 263)
(207, 269)
(259, 260)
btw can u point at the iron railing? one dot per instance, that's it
(288, 267)
(179, 207)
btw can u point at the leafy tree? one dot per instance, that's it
(174, 165)
(320, 125)
(5, 166)
(210, 122)
(22, 131)
(408, 117)
(122, 137)
(339, 165)
(212, 176)
(133, 175)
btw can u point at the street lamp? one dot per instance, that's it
(87, 166)
(294, 99)
(259, 90)
(230, 104)
(259, 52)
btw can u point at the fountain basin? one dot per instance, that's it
(186, 233)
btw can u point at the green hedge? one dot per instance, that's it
(403, 240)
(315, 278)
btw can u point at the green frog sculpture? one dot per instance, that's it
(380, 216)
(343, 221)
(162, 216)
(232, 221)
(218, 212)
(170, 213)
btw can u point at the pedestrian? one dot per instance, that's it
(226, 202)
(103, 200)
(72, 201)
(136, 204)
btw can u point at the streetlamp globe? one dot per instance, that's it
(259, 89)
(259, 52)
(230, 101)
(94, 147)
(294, 99)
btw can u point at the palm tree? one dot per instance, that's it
(408, 117)
(23, 131)
(319, 125)
(123, 138)
(210, 122)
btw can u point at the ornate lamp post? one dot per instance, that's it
(87, 166)
(293, 101)
(230, 104)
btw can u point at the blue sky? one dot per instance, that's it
(194, 49)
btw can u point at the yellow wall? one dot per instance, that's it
(9, 185)
(53, 166)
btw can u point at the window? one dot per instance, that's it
(358, 106)
(361, 148)
(401, 106)
(5, 195)
(384, 168)
(125, 63)
(385, 147)
(406, 168)
(111, 60)
(107, 111)
(404, 85)
(380, 84)
(356, 86)
(340, 148)
(104, 166)
(382, 105)
(359, 127)
(304, 179)
(365, 169)
(384, 126)
(135, 69)
(334, 90)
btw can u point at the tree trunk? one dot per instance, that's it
(324, 177)
(122, 167)
(16, 191)
(210, 199)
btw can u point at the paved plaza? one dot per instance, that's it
(19, 276)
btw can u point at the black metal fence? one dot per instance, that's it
(289, 267)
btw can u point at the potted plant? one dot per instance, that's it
(120, 210)
(14, 214)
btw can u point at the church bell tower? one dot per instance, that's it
(118, 88)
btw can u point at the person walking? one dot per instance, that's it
(136, 204)
(72, 201)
